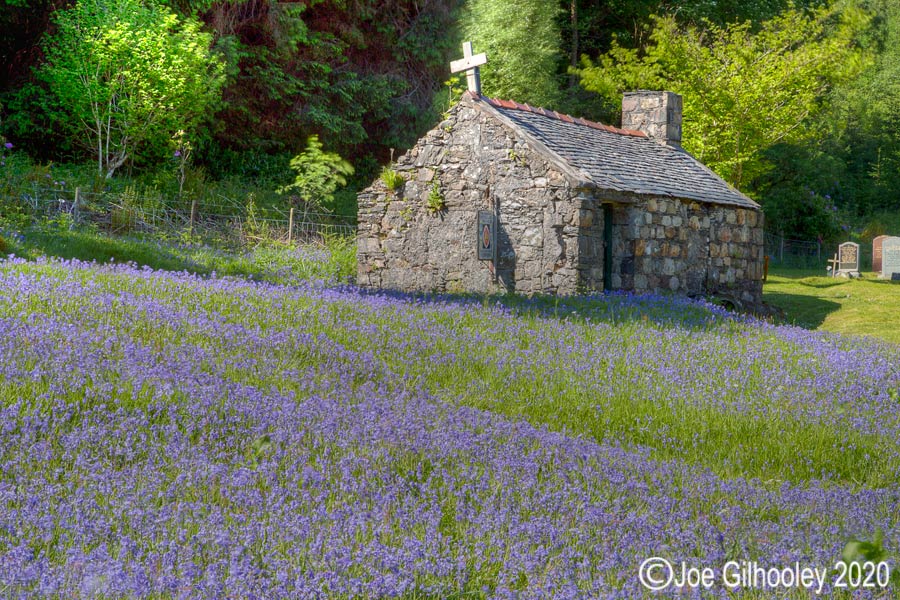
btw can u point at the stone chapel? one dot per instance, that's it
(506, 197)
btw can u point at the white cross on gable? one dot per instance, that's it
(470, 65)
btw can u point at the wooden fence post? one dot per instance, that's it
(193, 213)
(291, 225)
(75, 207)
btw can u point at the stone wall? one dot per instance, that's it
(665, 244)
(475, 163)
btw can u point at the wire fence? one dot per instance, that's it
(218, 217)
(787, 252)
(808, 254)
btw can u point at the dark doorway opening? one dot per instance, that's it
(607, 246)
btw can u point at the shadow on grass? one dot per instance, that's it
(91, 247)
(666, 310)
(274, 263)
(803, 308)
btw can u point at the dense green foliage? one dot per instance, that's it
(522, 40)
(743, 91)
(793, 102)
(127, 76)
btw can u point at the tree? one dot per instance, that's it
(744, 90)
(362, 75)
(319, 174)
(130, 74)
(523, 43)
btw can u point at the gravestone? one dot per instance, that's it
(876, 252)
(848, 259)
(890, 262)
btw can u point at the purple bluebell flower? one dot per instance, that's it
(170, 434)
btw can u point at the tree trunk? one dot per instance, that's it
(573, 16)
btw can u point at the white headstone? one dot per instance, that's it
(890, 258)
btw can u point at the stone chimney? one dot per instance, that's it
(658, 114)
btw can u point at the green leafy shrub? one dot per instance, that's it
(319, 175)
(436, 202)
(392, 179)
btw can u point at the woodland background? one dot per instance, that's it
(797, 104)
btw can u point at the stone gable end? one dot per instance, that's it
(474, 162)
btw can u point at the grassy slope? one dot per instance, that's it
(333, 260)
(646, 373)
(866, 306)
(632, 413)
(636, 387)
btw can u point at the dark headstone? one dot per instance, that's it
(890, 262)
(876, 253)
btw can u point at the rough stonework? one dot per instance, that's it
(667, 244)
(475, 163)
(551, 209)
(657, 114)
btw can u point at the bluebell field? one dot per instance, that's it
(168, 435)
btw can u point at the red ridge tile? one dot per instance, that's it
(511, 104)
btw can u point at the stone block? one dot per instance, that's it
(640, 246)
(585, 218)
(368, 245)
(668, 267)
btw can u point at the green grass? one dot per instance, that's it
(332, 260)
(864, 306)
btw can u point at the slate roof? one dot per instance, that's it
(620, 159)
